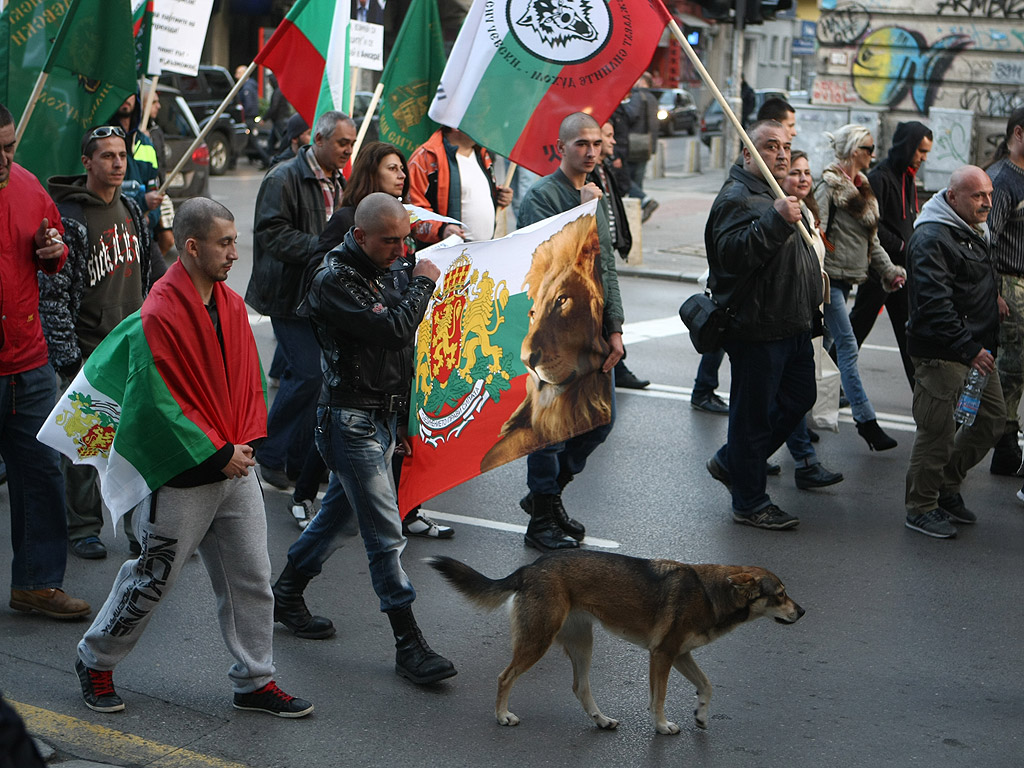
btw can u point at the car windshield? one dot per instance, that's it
(667, 99)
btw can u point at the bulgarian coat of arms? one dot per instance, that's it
(458, 365)
(90, 425)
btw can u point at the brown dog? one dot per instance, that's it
(667, 607)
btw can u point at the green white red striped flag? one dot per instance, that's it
(520, 66)
(509, 353)
(157, 396)
(309, 55)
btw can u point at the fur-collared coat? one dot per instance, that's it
(854, 232)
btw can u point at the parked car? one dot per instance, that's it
(204, 92)
(180, 129)
(676, 111)
(713, 121)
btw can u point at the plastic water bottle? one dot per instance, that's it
(970, 399)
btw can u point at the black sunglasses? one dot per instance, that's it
(870, 149)
(106, 131)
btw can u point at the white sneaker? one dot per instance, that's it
(1020, 494)
(419, 524)
(303, 512)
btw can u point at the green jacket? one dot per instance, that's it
(555, 194)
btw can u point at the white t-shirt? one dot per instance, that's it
(477, 205)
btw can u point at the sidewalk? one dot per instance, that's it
(673, 238)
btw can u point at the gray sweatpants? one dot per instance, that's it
(226, 521)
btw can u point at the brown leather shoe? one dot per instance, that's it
(55, 603)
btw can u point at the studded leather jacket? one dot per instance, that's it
(365, 320)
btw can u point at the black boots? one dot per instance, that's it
(875, 436)
(413, 658)
(1006, 458)
(544, 531)
(290, 609)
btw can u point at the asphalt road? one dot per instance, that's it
(909, 653)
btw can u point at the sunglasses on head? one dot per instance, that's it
(106, 131)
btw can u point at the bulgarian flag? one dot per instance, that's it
(309, 55)
(520, 66)
(157, 397)
(509, 353)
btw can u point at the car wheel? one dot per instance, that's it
(220, 153)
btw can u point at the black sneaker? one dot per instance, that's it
(955, 509)
(98, 689)
(717, 471)
(710, 404)
(273, 701)
(933, 524)
(771, 518)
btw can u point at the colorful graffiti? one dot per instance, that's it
(892, 61)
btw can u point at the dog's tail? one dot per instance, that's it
(485, 592)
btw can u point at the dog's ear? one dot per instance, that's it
(747, 584)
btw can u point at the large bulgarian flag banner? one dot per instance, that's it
(309, 55)
(520, 66)
(152, 401)
(509, 353)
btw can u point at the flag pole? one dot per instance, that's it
(30, 106)
(727, 111)
(366, 119)
(209, 125)
(150, 98)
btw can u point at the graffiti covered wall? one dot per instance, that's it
(911, 57)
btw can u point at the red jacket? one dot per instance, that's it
(23, 205)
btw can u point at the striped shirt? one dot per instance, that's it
(1006, 221)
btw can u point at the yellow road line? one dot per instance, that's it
(123, 747)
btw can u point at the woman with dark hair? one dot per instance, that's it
(379, 167)
(849, 218)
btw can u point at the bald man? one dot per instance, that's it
(366, 324)
(955, 312)
(550, 469)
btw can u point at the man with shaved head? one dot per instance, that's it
(365, 321)
(550, 469)
(955, 312)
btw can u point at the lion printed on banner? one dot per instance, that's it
(564, 349)
(557, 22)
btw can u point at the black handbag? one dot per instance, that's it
(706, 320)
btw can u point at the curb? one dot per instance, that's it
(657, 274)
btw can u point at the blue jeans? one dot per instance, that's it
(707, 375)
(772, 388)
(837, 326)
(569, 457)
(800, 446)
(357, 445)
(292, 417)
(39, 528)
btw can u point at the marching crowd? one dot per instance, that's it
(334, 268)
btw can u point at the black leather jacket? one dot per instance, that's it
(952, 288)
(754, 252)
(365, 320)
(290, 215)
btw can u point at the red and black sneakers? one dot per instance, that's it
(274, 701)
(98, 689)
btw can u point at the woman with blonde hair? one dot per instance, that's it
(849, 221)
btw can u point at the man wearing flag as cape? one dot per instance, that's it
(168, 407)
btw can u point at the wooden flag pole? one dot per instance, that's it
(727, 111)
(150, 98)
(209, 124)
(30, 106)
(366, 120)
(501, 215)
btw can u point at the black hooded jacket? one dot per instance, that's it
(893, 182)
